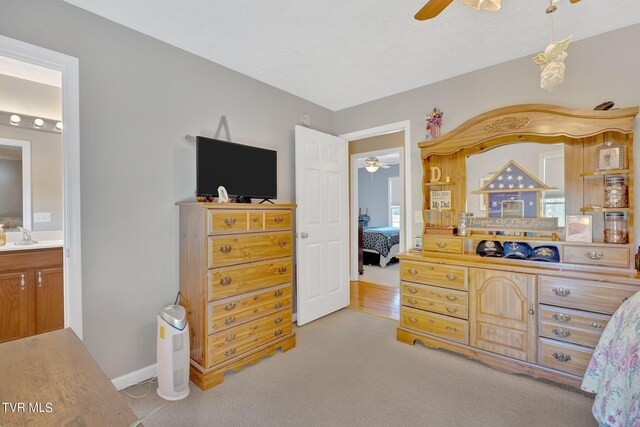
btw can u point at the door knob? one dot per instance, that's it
(304, 235)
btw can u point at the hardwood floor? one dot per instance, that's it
(383, 301)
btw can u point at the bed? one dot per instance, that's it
(382, 240)
(614, 371)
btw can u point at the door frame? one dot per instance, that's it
(68, 66)
(405, 126)
(353, 205)
(26, 177)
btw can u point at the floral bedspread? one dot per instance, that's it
(614, 371)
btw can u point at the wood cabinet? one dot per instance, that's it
(236, 275)
(31, 293)
(502, 313)
(522, 315)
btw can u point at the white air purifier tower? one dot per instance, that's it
(173, 353)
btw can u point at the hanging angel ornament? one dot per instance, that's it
(551, 62)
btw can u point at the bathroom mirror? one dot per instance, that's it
(15, 184)
(544, 161)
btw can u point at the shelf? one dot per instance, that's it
(607, 172)
(593, 209)
(438, 184)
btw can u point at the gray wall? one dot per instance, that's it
(138, 98)
(601, 68)
(373, 194)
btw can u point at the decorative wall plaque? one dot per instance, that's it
(518, 224)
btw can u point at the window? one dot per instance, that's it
(395, 198)
(553, 176)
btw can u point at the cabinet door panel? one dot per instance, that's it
(49, 300)
(13, 306)
(500, 318)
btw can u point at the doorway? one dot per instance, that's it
(40, 113)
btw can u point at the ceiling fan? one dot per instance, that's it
(434, 7)
(372, 164)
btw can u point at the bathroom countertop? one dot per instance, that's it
(44, 244)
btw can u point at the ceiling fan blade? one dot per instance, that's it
(384, 166)
(432, 9)
(574, 1)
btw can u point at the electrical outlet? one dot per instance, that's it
(42, 217)
(418, 217)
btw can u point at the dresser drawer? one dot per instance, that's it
(256, 220)
(435, 324)
(223, 221)
(274, 220)
(442, 244)
(230, 281)
(234, 312)
(594, 255)
(564, 357)
(579, 327)
(235, 341)
(438, 300)
(225, 250)
(434, 274)
(582, 294)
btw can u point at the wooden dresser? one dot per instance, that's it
(236, 274)
(518, 315)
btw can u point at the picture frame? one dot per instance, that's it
(579, 228)
(609, 156)
(512, 209)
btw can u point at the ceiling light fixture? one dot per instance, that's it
(59, 126)
(371, 169)
(38, 123)
(15, 119)
(488, 5)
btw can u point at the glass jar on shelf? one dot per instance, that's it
(462, 223)
(616, 192)
(615, 228)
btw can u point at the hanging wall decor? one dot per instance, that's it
(551, 61)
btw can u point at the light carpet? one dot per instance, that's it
(349, 370)
(388, 276)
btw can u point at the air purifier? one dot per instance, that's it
(173, 353)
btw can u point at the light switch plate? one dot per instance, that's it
(42, 217)
(418, 217)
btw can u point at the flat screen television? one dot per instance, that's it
(244, 171)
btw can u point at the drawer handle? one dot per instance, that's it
(561, 317)
(561, 292)
(561, 357)
(451, 309)
(451, 276)
(412, 271)
(412, 301)
(282, 270)
(596, 325)
(225, 249)
(256, 310)
(278, 305)
(412, 290)
(278, 333)
(22, 281)
(452, 298)
(230, 306)
(230, 320)
(430, 268)
(230, 338)
(278, 293)
(282, 243)
(561, 333)
(430, 303)
(39, 279)
(412, 319)
(452, 329)
(278, 320)
(278, 219)
(594, 255)
(442, 245)
(230, 353)
(229, 221)
(226, 280)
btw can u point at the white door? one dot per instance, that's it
(322, 224)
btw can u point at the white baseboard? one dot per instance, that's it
(135, 377)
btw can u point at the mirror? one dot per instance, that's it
(543, 161)
(15, 186)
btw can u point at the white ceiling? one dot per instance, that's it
(27, 71)
(390, 159)
(341, 53)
